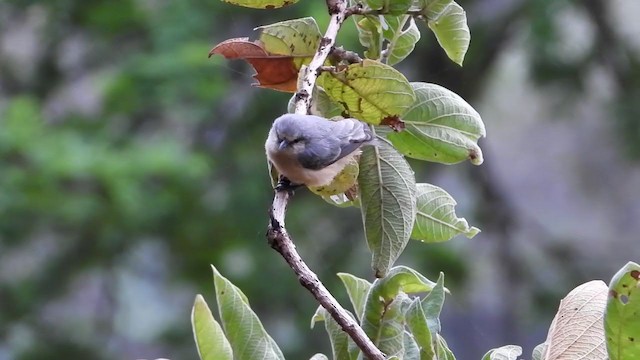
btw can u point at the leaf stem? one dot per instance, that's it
(277, 235)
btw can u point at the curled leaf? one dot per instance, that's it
(261, 4)
(275, 72)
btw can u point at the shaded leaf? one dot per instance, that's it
(452, 31)
(538, 352)
(622, 318)
(389, 337)
(417, 323)
(577, 330)
(432, 305)
(369, 35)
(432, 9)
(397, 7)
(442, 349)
(440, 126)
(261, 4)
(411, 349)
(388, 204)
(507, 352)
(384, 293)
(401, 41)
(369, 91)
(275, 72)
(339, 339)
(210, 340)
(319, 357)
(357, 289)
(249, 340)
(436, 219)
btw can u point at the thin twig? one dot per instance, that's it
(280, 241)
(277, 235)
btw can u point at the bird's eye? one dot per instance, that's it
(296, 140)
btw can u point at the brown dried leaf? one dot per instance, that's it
(275, 72)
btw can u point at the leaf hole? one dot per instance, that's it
(624, 299)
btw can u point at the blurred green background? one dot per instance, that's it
(129, 162)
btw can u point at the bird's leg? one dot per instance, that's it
(285, 184)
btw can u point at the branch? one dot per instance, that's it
(280, 241)
(277, 235)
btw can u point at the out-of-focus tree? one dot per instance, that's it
(129, 162)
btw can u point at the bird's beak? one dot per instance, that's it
(283, 144)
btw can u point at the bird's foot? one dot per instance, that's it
(286, 185)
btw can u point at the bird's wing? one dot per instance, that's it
(341, 139)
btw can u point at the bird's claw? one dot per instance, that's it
(285, 184)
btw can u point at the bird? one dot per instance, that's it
(311, 150)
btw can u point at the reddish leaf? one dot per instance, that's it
(276, 72)
(393, 122)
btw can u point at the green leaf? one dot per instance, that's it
(436, 220)
(339, 339)
(210, 340)
(417, 324)
(369, 35)
(411, 349)
(442, 349)
(440, 126)
(261, 4)
(319, 357)
(622, 317)
(397, 7)
(249, 340)
(432, 9)
(400, 278)
(297, 37)
(387, 196)
(507, 352)
(432, 305)
(385, 292)
(390, 333)
(402, 41)
(538, 352)
(375, 4)
(357, 289)
(369, 91)
(452, 31)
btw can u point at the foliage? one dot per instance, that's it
(419, 120)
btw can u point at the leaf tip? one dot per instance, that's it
(473, 231)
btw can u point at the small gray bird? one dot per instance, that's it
(311, 150)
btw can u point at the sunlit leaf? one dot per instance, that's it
(622, 318)
(339, 339)
(577, 330)
(436, 219)
(440, 126)
(507, 352)
(277, 72)
(245, 332)
(298, 37)
(452, 32)
(357, 289)
(342, 182)
(388, 203)
(261, 4)
(210, 340)
(369, 91)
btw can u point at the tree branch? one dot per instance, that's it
(277, 235)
